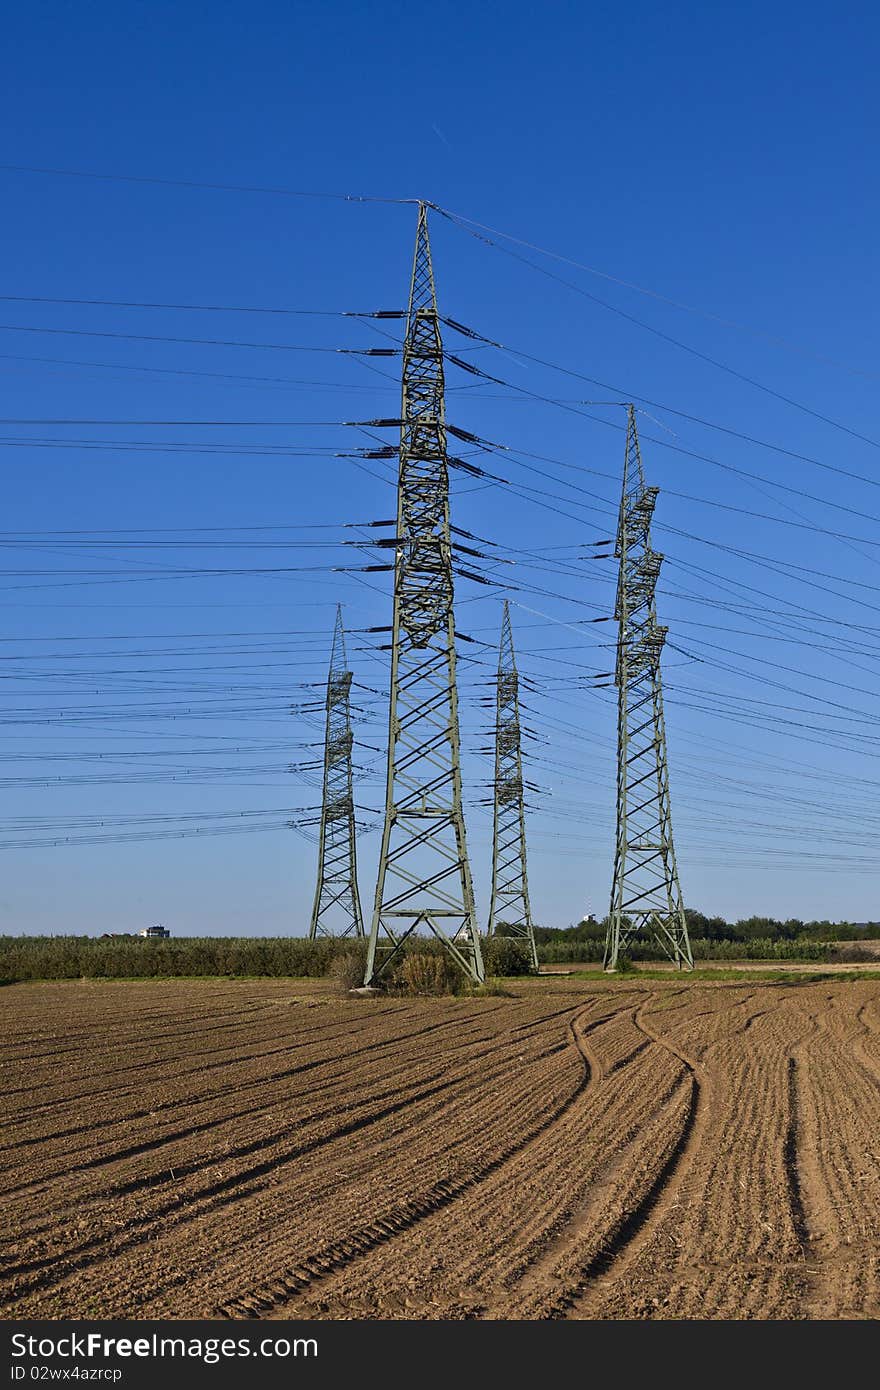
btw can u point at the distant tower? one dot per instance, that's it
(510, 907)
(337, 908)
(424, 875)
(646, 897)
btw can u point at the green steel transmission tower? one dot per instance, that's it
(510, 909)
(337, 908)
(424, 877)
(646, 900)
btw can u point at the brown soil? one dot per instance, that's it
(583, 1149)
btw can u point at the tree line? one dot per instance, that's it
(718, 929)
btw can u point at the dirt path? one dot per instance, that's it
(579, 1150)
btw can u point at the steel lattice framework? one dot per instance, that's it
(646, 895)
(510, 912)
(337, 908)
(424, 875)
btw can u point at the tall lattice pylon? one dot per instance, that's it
(337, 907)
(646, 897)
(510, 911)
(424, 877)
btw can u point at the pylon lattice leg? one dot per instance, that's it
(510, 912)
(424, 881)
(336, 910)
(646, 899)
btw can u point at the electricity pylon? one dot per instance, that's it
(646, 895)
(424, 875)
(337, 906)
(510, 908)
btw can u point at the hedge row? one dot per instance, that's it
(83, 957)
(76, 957)
(592, 951)
(79, 957)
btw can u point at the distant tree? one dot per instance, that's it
(696, 922)
(708, 928)
(757, 929)
(791, 930)
(586, 930)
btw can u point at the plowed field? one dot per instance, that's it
(269, 1149)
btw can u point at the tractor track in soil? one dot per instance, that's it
(577, 1150)
(141, 1228)
(117, 1155)
(632, 1229)
(219, 1193)
(333, 1259)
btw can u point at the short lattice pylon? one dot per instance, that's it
(510, 912)
(424, 882)
(337, 908)
(646, 901)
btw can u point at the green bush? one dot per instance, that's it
(503, 956)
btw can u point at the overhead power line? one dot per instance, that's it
(199, 342)
(668, 338)
(467, 223)
(203, 308)
(773, 339)
(214, 187)
(628, 395)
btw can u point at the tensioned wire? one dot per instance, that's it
(457, 218)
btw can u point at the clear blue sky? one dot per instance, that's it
(722, 158)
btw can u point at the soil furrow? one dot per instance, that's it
(270, 1148)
